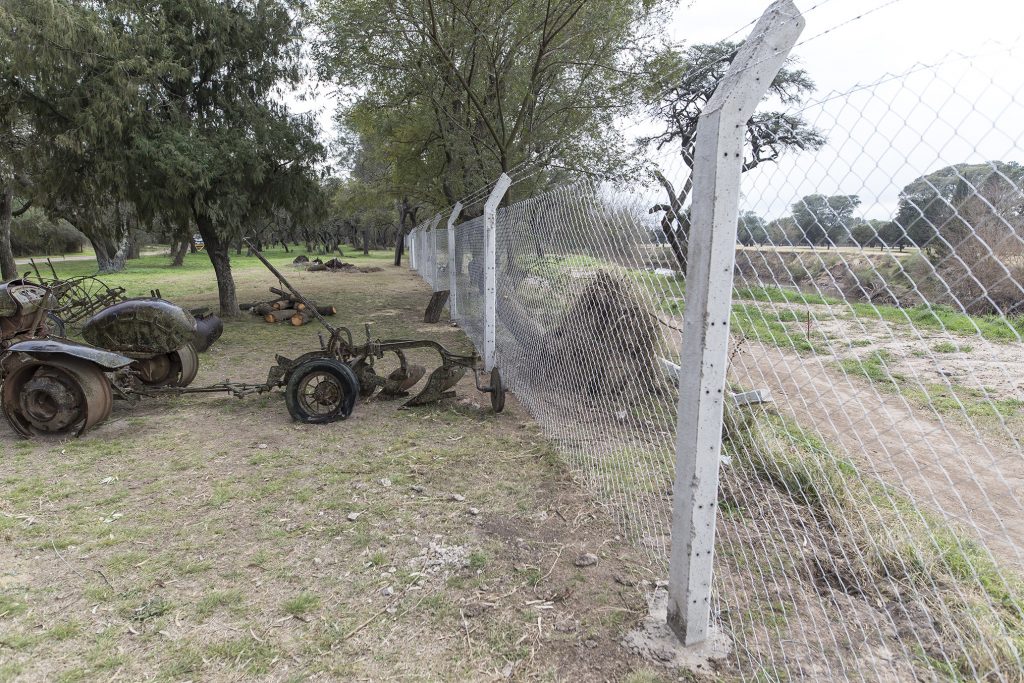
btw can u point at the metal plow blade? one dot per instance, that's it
(402, 379)
(438, 384)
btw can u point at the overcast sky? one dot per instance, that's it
(883, 136)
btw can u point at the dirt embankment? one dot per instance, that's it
(886, 277)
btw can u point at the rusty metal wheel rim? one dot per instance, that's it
(55, 397)
(321, 393)
(186, 362)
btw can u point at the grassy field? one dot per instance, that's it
(209, 538)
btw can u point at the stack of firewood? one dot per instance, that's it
(286, 308)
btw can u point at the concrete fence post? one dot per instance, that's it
(490, 271)
(430, 272)
(705, 339)
(453, 271)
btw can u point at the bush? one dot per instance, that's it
(34, 233)
(984, 269)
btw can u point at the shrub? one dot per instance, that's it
(34, 233)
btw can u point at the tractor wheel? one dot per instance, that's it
(186, 363)
(321, 390)
(57, 396)
(174, 369)
(497, 391)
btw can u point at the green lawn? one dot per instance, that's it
(143, 274)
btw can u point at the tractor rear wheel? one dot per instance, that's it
(57, 396)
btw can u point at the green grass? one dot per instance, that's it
(971, 404)
(937, 317)
(300, 604)
(874, 366)
(901, 544)
(773, 327)
(779, 295)
(925, 317)
(219, 599)
(143, 274)
(950, 347)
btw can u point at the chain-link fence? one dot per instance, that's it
(871, 504)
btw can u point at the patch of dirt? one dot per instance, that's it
(974, 484)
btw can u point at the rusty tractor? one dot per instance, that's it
(50, 385)
(54, 385)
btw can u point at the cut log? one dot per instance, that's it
(281, 304)
(301, 318)
(278, 316)
(314, 267)
(262, 309)
(322, 310)
(436, 305)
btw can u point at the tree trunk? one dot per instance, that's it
(178, 253)
(8, 267)
(366, 241)
(110, 256)
(217, 249)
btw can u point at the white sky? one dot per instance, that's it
(884, 136)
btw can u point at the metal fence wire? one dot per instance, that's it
(871, 502)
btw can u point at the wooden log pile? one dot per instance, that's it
(286, 308)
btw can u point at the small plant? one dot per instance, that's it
(950, 347)
(301, 604)
(477, 560)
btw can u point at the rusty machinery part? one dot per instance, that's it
(209, 328)
(55, 327)
(44, 348)
(438, 384)
(396, 384)
(54, 395)
(80, 297)
(403, 378)
(321, 390)
(140, 328)
(23, 310)
(496, 389)
(175, 369)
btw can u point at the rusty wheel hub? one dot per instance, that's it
(154, 371)
(327, 393)
(50, 401)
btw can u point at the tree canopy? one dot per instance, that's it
(825, 220)
(131, 112)
(680, 102)
(927, 210)
(454, 93)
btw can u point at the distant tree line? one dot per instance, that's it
(934, 213)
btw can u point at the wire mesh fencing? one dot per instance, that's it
(871, 504)
(468, 271)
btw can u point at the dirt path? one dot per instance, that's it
(975, 484)
(41, 260)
